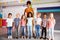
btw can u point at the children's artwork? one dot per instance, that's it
(4, 22)
(0, 15)
(0, 22)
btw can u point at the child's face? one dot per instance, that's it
(10, 16)
(29, 15)
(51, 15)
(26, 14)
(38, 15)
(44, 16)
(17, 15)
(23, 17)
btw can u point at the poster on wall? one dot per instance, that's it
(0, 15)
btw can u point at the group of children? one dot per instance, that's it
(27, 25)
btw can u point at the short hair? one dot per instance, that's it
(28, 2)
(38, 13)
(9, 14)
(44, 13)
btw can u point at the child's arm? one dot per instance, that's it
(19, 23)
(54, 22)
(13, 24)
(33, 25)
(47, 24)
(41, 24)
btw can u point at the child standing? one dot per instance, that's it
(23, 26)
(30, 24)
(9, 25)
(38, 21)
(16, 24)
(51, 24)
(44, 26)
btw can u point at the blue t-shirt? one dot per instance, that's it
(16, 21)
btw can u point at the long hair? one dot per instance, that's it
(51, 14)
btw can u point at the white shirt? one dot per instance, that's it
(9, 22)
(29, 21)
(38, 21)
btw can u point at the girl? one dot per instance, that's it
(38, 21)
(30, 24)
(51, 24)
(23, 26)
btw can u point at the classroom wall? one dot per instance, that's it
(13, 10)
(20, 9)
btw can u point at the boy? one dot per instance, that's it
(16, 23)
(44, 26)
(9, 25)
(38, 24)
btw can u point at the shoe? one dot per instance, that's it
(29, 37)
(51, 39)
(16, 37)
(41, 37)
(11, 37)
(8, 37)
(44, 38)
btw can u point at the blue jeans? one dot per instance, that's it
(16, 30)
(23, 30)
(51, 33)
(29, 27)
(37, 28)
(9, 31)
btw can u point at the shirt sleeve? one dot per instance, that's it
(7, 20)
(41, 19)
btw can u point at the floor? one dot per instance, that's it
(3, 36)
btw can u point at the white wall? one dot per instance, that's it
(20, 9)
(13, 10)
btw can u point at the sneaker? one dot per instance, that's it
(11, 37)
(44, 38)
(41, 37)
(8, 37)
(51, 39)
(16, 37)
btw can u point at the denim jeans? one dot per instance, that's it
(29, 28)
(16, 31)
(23, 30)
(51, 33)
(37, 29)
(9, 31)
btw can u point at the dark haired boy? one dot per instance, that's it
(44, 26)
(9, 25)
